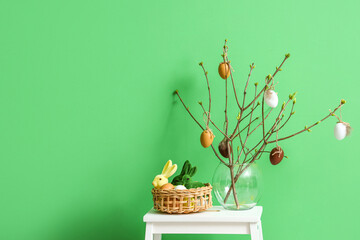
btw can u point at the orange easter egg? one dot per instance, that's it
(206, 138)
(167, 186)
(224, 70)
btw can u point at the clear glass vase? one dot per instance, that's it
(248, 186)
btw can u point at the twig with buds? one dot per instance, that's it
(225, 71)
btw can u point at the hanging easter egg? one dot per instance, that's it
(224, 70)
(276, 155)
(224, 148)
(206, 138)
(271, 98)
(341, 130)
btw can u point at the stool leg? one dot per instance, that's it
(157, 236)
(260, 231)
(254, 231)
(149, 232)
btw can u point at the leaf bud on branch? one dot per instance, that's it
(292, 96)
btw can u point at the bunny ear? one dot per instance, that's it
(187, 168)
(170, 171)
(193, 171)
(166, 167)
(183, 171)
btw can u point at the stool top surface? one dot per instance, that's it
(214, 214)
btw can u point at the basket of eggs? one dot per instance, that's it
(182, 195)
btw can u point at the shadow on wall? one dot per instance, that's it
(113, 221)
(106, 223)
(174, 124)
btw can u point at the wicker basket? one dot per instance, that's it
(183, 201)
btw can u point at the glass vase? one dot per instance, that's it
(248, 186)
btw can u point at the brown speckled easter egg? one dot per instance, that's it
(223, 148)
(276, 155)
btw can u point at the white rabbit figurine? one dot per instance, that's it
(168, 171)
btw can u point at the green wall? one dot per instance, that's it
(88, 117)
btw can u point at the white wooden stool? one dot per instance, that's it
(216, 220)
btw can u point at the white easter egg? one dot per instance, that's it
(180, 187)
(340, 131)
(271, 98)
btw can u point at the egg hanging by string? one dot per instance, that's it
(224, 148)
(271, 98)
(276, 155)
(342, 130)
(206, 138)
(224, 70)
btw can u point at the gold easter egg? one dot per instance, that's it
(206, 138)
(224, 70)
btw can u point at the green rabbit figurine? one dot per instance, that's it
(191, 184)
(186, 170)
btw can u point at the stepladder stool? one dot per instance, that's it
(215, 220)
